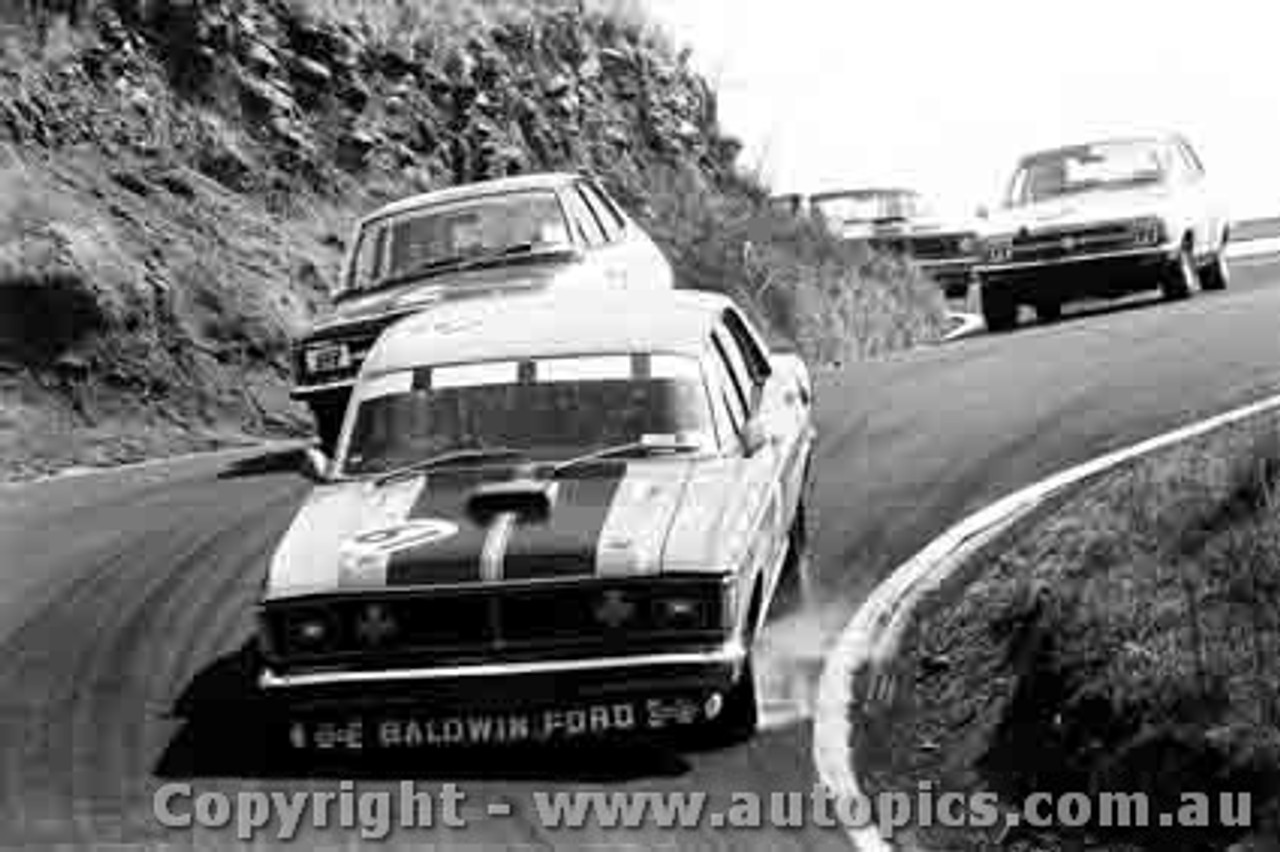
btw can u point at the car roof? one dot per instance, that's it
(1152, 139)
(862, 192)
(496, 186)
(549, 324)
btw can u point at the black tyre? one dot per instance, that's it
(1048, 310)
(327, 411)
(1181, 277)
(1214, 275)
(998, 310)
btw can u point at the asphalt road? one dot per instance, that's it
(125, 597)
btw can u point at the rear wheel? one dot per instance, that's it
(1048, 310)
(1214, 275)
(998, 310)
(1181, 277)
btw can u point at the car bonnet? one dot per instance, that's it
(610, 518)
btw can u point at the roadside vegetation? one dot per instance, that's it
(178, 180)
(1125, 641)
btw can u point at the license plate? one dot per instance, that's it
(377, 733)
(323, 359)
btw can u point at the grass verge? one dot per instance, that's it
(1123, 640)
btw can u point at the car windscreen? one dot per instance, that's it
(1108, 165)
(867, 207)
(547, 407)
(438, 235)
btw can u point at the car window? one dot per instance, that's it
(749, 344)
(589, 230)
(727, 401)
(738, 371)
(608, 215)
(1188, 155)
(548, 407)
(438, 234)
(1082, 168)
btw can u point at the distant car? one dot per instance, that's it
(545, 519)
(492, 238)
(901, 222)
(1099, 220)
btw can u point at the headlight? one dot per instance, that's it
(308, 631)
(968, 245)
(1148, 232)
(680, 613)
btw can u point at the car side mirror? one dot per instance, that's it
(755, 437)
(315, 465)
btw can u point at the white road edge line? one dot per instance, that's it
(871, 636)
(1253, 248)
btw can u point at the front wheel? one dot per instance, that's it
(740, 714)
(1214, 275)
(1048, 310)
(1181, 277)
(998, 310)
(327, 410)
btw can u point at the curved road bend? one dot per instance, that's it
(124, 596)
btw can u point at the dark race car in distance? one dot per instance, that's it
(492, 238)
(900, 222)
(548, 517)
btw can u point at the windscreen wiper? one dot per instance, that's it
(470, 454)
(628, 449)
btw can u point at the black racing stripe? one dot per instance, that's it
(564, 544)
(455, 559)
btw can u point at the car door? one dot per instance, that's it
(1196, 200)
(764, 507)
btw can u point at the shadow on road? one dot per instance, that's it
(267, 464)
(226, 734)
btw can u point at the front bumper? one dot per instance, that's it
(697, 670)
(1105, 274)
(502, 704)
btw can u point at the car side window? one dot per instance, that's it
(1195, 168)
(613, 222)
(738, 372)
(749, 345)
(727, 403)
(584, 221)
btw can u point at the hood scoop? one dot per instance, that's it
(527, 498)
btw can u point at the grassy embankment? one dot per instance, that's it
(178, 180)
(1123, 640)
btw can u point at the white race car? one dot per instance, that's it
(1101, 219)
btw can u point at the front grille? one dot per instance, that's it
(478, 624)
(924, 247)
(1059, 243)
